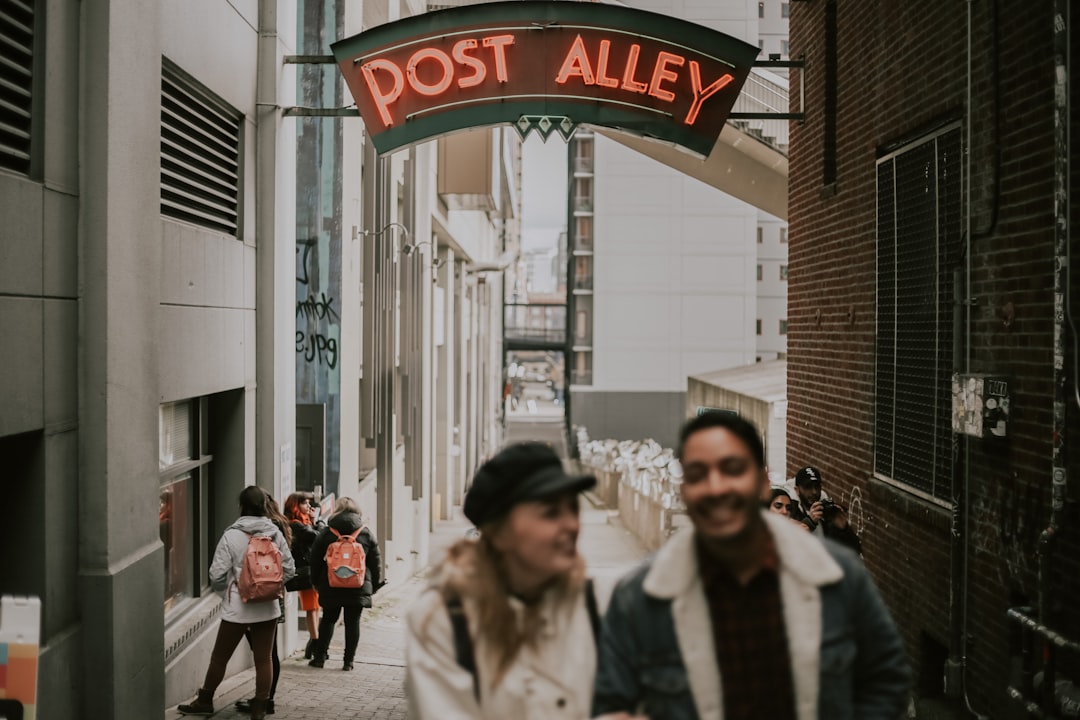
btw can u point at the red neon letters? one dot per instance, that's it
(385, 97)
(577, 64)
(430, 72)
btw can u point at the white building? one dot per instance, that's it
(669, 276)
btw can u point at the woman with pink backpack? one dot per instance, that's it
(250, 566)
(346, 569)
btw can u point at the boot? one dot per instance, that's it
(348, 664)
(309, 649)
(202, 705)
(258, 709)
(244, 706)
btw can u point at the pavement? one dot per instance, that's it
(374, 690)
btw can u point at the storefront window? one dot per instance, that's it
(182, 499)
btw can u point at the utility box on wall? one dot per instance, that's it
(980, 405)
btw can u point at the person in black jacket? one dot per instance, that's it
(345, 520)
(819, 513)
(300, 509)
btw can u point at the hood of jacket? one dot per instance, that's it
(254, 525)
(345, 523)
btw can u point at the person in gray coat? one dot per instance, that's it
(237, 616)
(744, 616)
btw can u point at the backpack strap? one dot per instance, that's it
(351, 536)
(594, 610)
(463, 645)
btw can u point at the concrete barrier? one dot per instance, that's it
(647, 518)
(607, 488)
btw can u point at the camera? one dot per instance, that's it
(830, 509)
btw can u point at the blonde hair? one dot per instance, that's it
(474, 571)
(346, 504)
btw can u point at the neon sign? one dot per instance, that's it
(570, 63)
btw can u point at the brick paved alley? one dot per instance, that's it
(375, 689)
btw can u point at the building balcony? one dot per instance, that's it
(583, 282)
(583, 204)
(583, 166)
(581, 377)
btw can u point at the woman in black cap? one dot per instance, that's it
(507, 628)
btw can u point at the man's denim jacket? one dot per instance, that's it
(657, 657)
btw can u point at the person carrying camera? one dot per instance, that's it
(819, 513)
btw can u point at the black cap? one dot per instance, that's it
(517, 473)
(808, 475)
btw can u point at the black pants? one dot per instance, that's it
(330, 616)
(274, 659)
(261, 637)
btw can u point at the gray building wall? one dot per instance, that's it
(629, 415)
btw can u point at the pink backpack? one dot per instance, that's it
(346, 561)
(262, 576)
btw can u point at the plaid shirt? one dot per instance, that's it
(750, 639)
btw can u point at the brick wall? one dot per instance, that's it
(901, 70)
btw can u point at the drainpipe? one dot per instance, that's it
(962, 479)
(1048, 539)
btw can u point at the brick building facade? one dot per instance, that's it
(879, 239)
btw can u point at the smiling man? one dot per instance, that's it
(745, 617)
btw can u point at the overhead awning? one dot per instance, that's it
(740, 165)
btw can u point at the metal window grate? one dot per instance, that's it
(200, 154)
(16, 83)
(918, 223)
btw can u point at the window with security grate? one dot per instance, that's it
(16, 83)
(200, 153)
(919, 230)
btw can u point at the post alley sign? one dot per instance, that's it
(544, 66)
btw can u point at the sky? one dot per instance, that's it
(544, 197)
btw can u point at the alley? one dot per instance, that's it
(375, 689)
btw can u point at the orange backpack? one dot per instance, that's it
(346, 561)
(262, 576)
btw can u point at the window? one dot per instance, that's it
(919, 226)
(760, 235)
(783, 272)
(583, 277)
(583, 155)
(200, 154)
(759, 328)
(582, 372)
(759, 274)
(581, 328)
(785, 10)
(583, 233)
(783, 235)
(783, 327)
(184, 498)
(583, 194)
(785, 47)
(761, 9)
(16, 84)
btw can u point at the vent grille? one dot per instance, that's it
(918, 223)
(200, 154)
(16, 83)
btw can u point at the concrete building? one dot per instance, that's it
(152, 256)
(669, 276)
(931, 236)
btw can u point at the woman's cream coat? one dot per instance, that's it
(552, 681)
